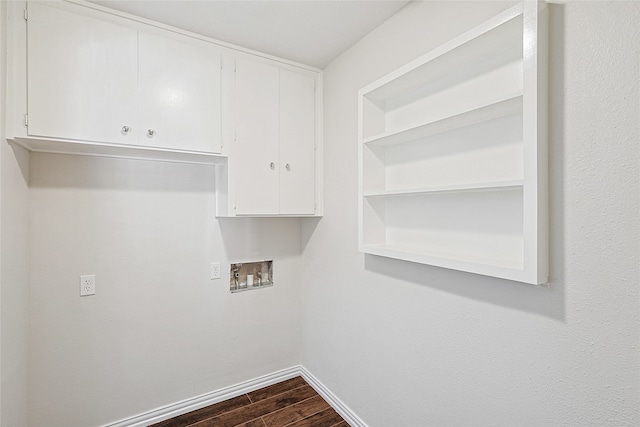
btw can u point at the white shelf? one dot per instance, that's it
(441, 140)
(50, 145)
(510, 104)
(472, 264)
(483, 186)
(497, 35)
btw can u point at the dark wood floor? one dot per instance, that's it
(291, 403)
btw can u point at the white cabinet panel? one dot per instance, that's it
(256, 156)
(179, 94)
(82, 77)
(273, 161)
(296, 143)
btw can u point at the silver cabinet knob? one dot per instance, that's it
(272, 166)
(288, 167)
(125, 130)
(150, 133)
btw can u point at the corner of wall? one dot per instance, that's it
(14, 165)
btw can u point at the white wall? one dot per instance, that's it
(14, 284)
(14, 170)
(404, 344)
(158, 330)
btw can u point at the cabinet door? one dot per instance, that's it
(82, 77)
(297, 144)
(179, 94)
(255, 155)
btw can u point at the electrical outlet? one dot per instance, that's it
(215, 270)
(87, 285)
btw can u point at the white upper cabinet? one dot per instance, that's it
(82, 77)
(85, 79)
(99, 84)
(179, 94)
(453, 153)
(273, 158)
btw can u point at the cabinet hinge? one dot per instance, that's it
(26, 14)
(26, 120)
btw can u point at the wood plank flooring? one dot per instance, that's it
(291, 403)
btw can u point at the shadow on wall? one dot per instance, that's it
(259, 239)
(307, 227)
(107, 173)
(22, 157)
(548, 301)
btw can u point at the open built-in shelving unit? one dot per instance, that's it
(452, 153)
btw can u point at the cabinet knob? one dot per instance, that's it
(288, 167)
(125, 130)
(150, 133)
(272, 166)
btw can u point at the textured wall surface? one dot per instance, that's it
(14, 275)
(158, 330)
(404, 344)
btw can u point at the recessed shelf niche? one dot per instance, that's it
(453, 153)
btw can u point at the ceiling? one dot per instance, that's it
(310, 32)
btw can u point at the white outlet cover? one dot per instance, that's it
(215, 270)
(87, 285)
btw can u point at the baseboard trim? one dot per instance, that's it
(333, 400)
(198, 402)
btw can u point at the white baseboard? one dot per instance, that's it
(198, 402)
(337, 404)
